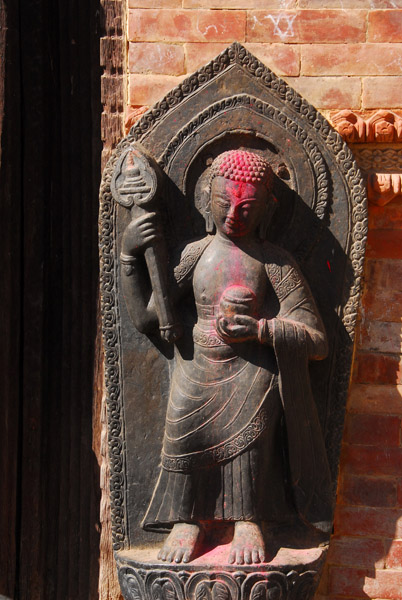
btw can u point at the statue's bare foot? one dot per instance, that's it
(181, 543)
(247, 545)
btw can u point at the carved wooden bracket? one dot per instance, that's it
(350, 126)
(382, 126)
(381, 166)
(384, 187)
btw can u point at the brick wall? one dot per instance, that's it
(339, 54)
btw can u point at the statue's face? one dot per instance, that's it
(237, 208)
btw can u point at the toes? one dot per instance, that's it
(187, 556)
(232, 557)
(162, 554)
(169, 556)
(256, 556)
(262, 555)
(178, 555)
(247, 556)
(240, 557)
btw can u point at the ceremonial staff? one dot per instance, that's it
(136, 185)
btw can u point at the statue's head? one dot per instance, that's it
(240, 194)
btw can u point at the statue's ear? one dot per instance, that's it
(209, 222)
(267, 216)
(206, 203)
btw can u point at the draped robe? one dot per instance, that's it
(227, 401)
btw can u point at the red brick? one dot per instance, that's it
(328, 92)
(383, 274)
(360, 583)
(148, 89)
(346, 4)
(186, 25)
(200, 53)
(373, 430)
(378, 368)
(372, 460)
(347, 582)
(165, 59)
(356, 552)
(266, 4)
(384, 584)
(307, 26)
(385, 305)
(384, 243)
(393, 559)
(375, 399)
(386, 217)
(368, 522)
(382, 91)
(351, 59)
(368, 491)
(381, 336)
(382, 298)
(282, 59)
(385, 26)
(154, 3)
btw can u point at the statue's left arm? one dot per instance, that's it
(297, 306)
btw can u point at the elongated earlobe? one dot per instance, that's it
(267, 217)
(209, 222)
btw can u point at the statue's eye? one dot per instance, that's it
(223, 204)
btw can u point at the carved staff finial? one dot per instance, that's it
(136, 184)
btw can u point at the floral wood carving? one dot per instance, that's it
(384, 187)
(381, 160)
(382, 126)
(350, 126)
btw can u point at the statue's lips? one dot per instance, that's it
(235, 227)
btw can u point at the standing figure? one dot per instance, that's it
(241, 373)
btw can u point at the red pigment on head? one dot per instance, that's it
(243, 166)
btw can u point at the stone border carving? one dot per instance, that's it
(235, 54)
(110, 314)
(382, 126)
(137, 584)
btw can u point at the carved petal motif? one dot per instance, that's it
(163, 585)
(212, 586)
(131, 584)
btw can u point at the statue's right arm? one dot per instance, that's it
(139, 234)
(136, 285)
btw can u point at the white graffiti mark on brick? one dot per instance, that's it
(283, 25)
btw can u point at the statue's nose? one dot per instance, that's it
(232, 213)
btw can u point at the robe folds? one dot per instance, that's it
(227, 403)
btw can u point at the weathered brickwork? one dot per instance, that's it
(345, 57)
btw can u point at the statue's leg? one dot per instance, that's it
(182, 543)
(248, 544)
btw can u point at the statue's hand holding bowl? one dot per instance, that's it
(235, 322)
(238, 328)
(139, 234)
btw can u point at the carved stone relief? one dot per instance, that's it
(232, 235)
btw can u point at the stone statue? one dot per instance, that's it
(240, 374)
